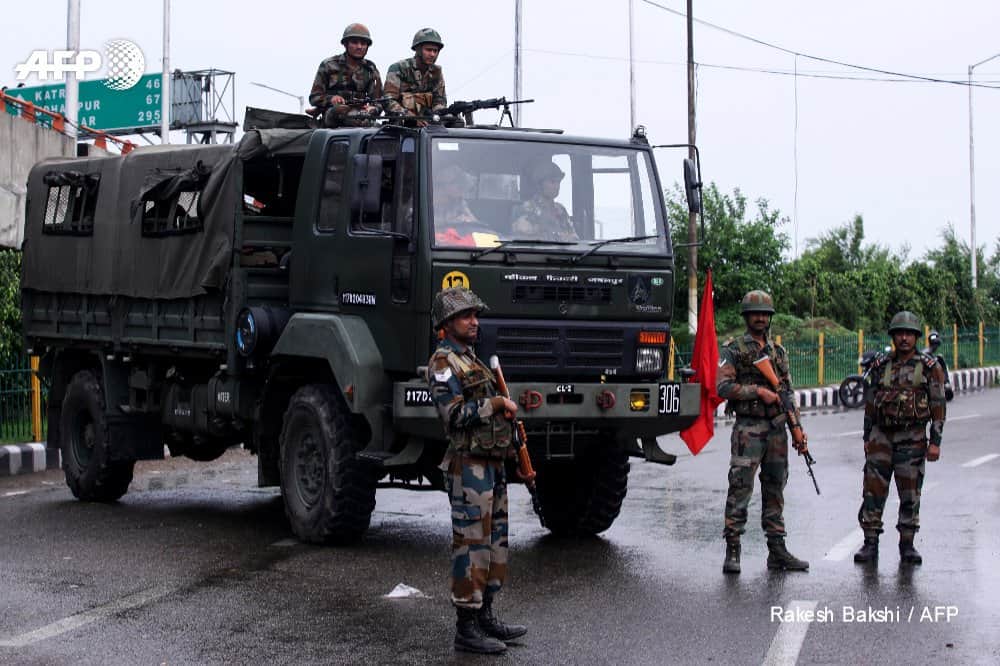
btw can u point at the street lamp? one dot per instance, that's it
(972, 174)
(302, 103)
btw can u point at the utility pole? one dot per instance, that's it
(631, 66)
(165, 77)
(517, 62)
(72, 110)
(692, 217)
(972, 179)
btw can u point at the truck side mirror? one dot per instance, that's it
(692, 185)
(366, 184)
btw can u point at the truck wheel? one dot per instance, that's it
(329, 494)
(585, 496)
(83, 429)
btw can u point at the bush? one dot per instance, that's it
(11, 344)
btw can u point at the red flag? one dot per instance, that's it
(705, 363)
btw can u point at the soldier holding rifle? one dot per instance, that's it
(759, 439)
(478, 420)
(345, 77)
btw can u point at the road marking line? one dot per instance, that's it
(86, 617)
(15, 493)
(845, 546)
(787, 642)
(285, 543)
(850, 434)
(983, 459)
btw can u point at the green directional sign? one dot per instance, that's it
(100, 107)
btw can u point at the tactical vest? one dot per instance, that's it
(747, 374)
(342, 81)
(900, 406)
(493, 437)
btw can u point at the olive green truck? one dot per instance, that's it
(276, 294)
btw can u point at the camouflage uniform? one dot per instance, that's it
(466, 395)
(544, 218)
(759, 439)
(901, 398)
(414, 88)
(336, 76)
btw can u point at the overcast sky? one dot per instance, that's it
(897, 153)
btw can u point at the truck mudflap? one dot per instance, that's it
(639, 409)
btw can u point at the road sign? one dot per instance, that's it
(100, 107)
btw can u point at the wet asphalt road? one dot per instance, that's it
(196, 565)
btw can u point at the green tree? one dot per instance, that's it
(10, 305)
(742, 244)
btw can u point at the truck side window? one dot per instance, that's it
(332, 201)
(171, 206)
(70, 203)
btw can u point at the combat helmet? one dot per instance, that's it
(757, 301)
(545, 171)
(358, 31)
(449, 302)
(427, 36)
(905, 321)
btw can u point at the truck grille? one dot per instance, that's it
(530, 293)
(591, 348)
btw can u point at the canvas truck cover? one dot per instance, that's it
(156, 223)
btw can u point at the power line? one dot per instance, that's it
(793, 52)
(763, 70)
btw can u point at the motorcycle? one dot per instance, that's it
(852, 389)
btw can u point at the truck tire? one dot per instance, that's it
(90, 472)
(329, 494)
(583, 497)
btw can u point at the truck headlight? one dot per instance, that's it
(246, 332)
(648, 360)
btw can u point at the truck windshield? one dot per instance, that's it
(487, 191)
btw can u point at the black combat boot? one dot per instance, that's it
(492, 625)
(778, 556)
(732, 563)
(470, 638)
(869, 551)
(907, 553)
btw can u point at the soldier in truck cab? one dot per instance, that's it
(542, 216)
(454, 221)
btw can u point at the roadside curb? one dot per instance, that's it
(27, 458)
(827, 397)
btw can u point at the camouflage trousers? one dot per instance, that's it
(893, 453)
(757, 443)
(477, 488)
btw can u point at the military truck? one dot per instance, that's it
(277, 293)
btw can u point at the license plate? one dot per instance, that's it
(670, 399)
(417, 398)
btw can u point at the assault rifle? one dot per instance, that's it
(788, 405)
(524, 468)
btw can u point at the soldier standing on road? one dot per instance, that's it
(416, 85)
(542, 216)
(344, 77)
(904, 392)
(759, 439)
(478, 422)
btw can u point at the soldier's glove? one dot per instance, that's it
(933, 452)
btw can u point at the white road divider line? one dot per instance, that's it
(961, 418)
(787, 642)
(285, 543)
(86, 617)
(852, 433)
(15, 493)
(982, 459)
(845, 546)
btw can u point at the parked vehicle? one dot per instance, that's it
(852, 389)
